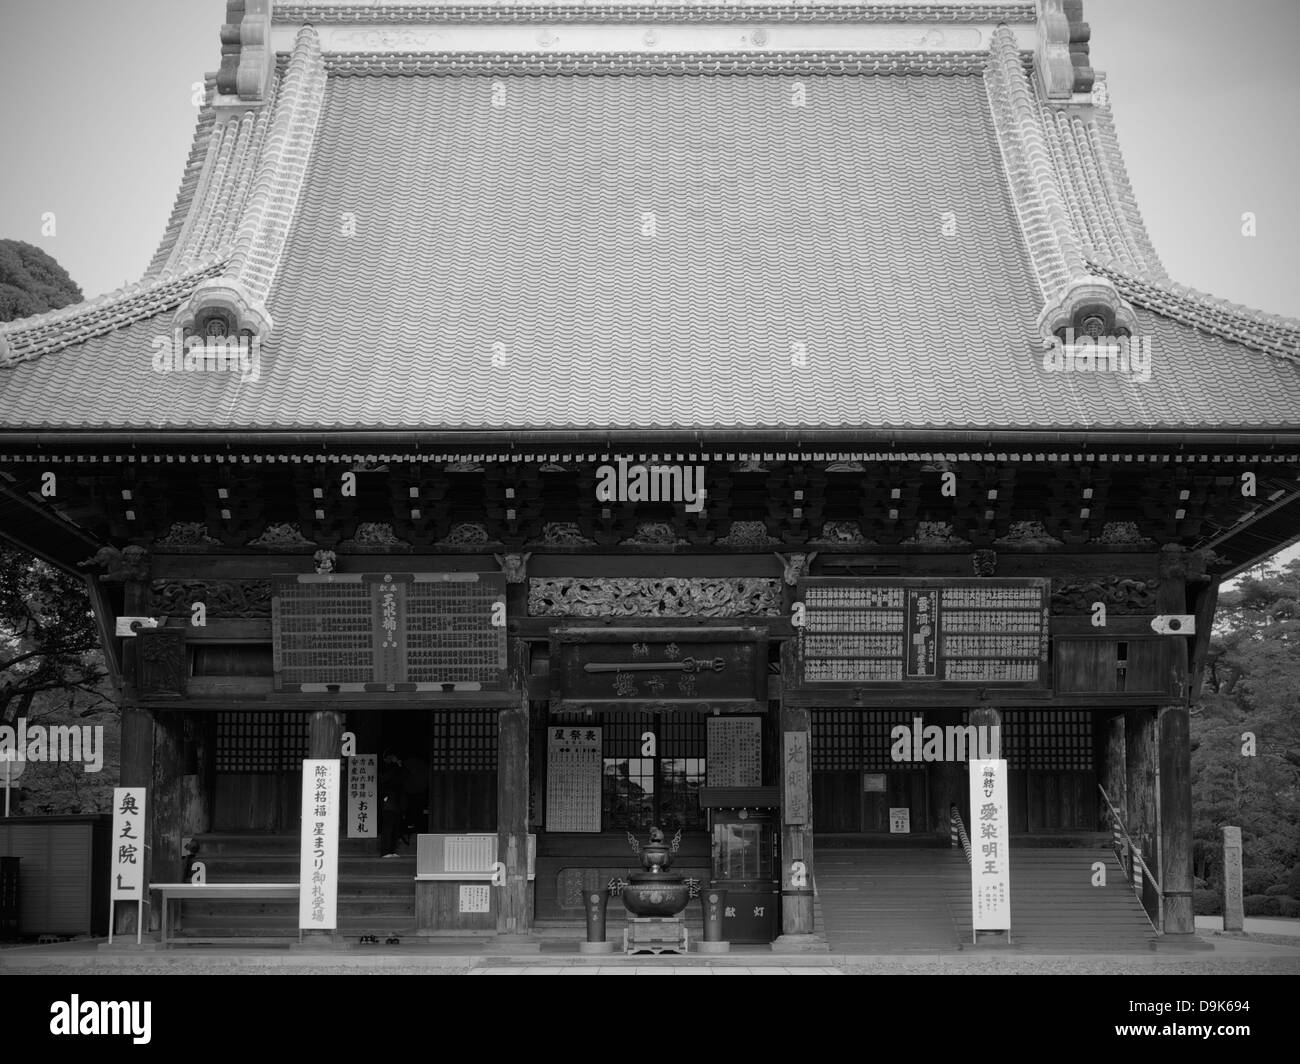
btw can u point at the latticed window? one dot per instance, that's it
(639, 792)
(262, 742)
(465, 740)
(1048, 739)
(846, 740)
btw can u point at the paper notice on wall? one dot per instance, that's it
(573, 779)
(363, 796)
(735, 752)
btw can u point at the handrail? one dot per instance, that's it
(958, 830)
(1135, 849)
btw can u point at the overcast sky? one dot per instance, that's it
(98, 118)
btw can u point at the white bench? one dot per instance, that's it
(180, 891)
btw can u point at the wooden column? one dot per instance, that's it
(168, 797)
(1176, 820)
(325, 737)
(1114, 768)
(514, 896)
(513, 910)
(1141, 745)
(798, 903)
(137, 753)
(199, 754)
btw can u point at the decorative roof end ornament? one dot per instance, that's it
(247, 57)
(1091, 306)
(1062, 65)
(223, 301)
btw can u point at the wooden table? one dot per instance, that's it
(180, 891)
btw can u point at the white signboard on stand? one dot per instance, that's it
(127, 853)
(990, 870)
(319, 868)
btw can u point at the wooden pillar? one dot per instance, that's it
(167, 797)
(798, 869)
(137, 752)
(513, 909)
(1141, 745)
(1176, 820)
(1114, 767)
(325, 737)
(514, 896)
(199, 755)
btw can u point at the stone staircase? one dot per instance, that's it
(376, 895)
(1054, 906)
(901, 900)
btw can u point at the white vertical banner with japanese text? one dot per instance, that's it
(319, 875)
(363, 796)
(126, 860)
(990, 868)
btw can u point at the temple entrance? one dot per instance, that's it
(863, 778)
(257, 778)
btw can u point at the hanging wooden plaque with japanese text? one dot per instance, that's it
(863, 631)
(648, 669)
(389, 632)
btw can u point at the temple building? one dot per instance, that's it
(682, 414)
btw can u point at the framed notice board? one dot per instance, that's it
(918, 632)
(389, 632)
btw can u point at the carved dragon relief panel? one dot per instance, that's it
(654, 597)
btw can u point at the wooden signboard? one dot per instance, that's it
(916, 631)
(648, 669)
(389, 632)
(795, 778)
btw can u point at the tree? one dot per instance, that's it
(32, 282)
(1246, 732)
(48, 637)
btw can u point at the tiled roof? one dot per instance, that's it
(663, 250)
(594, 11)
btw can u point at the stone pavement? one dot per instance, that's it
(1226, 955)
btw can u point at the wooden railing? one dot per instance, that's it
(957, 830)
(1129, 855)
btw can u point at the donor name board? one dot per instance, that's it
(856, 631)
(389, 632)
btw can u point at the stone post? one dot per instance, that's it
(1233, 913)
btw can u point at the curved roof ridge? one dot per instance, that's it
(54, 330)
(416, 12)
(191, 179)
(1031, 174)
(282, 168)
(1114, 174)
(1275, 334)
(1103, 211)
(217, 202)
